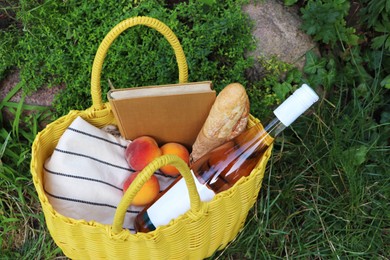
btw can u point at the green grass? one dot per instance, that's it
(22, 232)
(326, 191)
(60, 47)
(325, 194)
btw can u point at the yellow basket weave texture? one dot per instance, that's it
(204, 229)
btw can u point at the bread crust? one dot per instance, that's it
(228, 117)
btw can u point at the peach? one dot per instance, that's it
(141, 151)
(177, 149)
(147, 193)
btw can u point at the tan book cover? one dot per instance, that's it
(169, 113)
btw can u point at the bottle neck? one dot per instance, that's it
(274, 128)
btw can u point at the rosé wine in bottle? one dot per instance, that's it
(221, 168)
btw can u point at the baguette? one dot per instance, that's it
(228, 117)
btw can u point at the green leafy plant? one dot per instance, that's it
(277, 80)
(376, 16)
(59, 41)
(290, 2)
(375, 12)
(325, 21)
(320, 71)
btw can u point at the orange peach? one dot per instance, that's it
(141, 151)
(176, 149)
(147, 193)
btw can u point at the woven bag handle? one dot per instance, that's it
(144, 176)
(97, 102)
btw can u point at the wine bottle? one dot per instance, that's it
(221, 168)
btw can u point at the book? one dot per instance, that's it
(168, 113)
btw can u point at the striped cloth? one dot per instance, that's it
(84, 176)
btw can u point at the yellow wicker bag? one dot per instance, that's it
(197, 234)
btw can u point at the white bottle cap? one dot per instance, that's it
(296, 104)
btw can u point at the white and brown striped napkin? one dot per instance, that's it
(84, 176)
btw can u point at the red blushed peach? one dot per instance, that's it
(141, 151)
(176, 149)
(147, 193)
